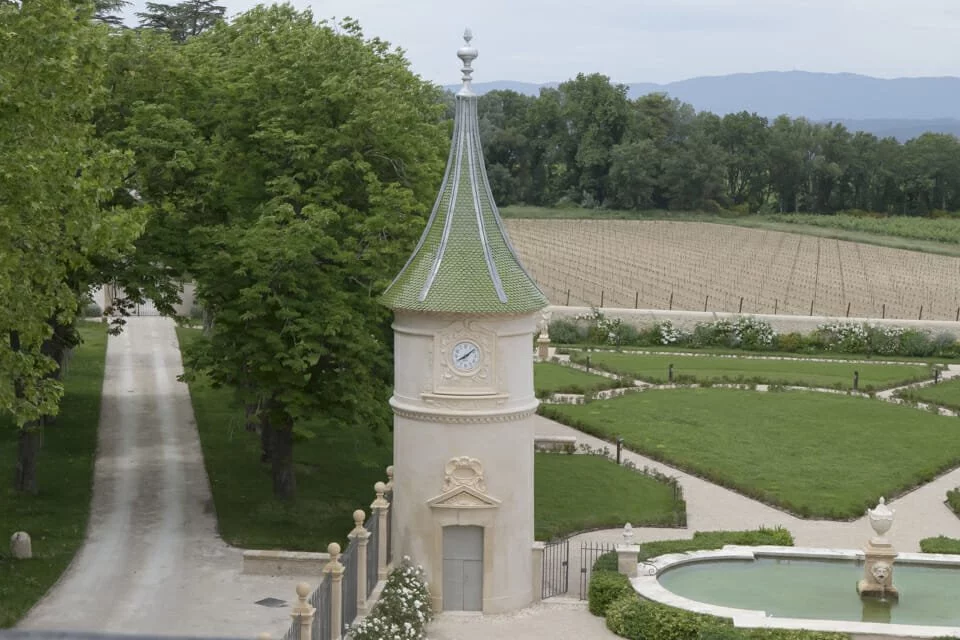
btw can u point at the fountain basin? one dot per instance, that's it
(807, 588)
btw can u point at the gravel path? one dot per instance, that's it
(152, 561)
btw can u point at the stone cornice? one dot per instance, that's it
(463, 416)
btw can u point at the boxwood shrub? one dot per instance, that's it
(606, 587)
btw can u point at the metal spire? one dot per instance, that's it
(467, 54)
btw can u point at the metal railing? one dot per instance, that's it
(373, 551)
(391, 496)
(350, 579)
(589, 553)
(320, 600)
(555, 577)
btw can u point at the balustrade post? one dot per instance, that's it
(335, 569)
(381, 508)
(302, 611)
(361, 535)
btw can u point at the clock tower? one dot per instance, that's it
(465, 313)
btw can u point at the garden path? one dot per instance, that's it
(920, 513)
(152, 561)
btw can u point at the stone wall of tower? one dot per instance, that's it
(492, 427)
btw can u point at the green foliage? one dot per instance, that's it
(953, 500)
(606, 562)
(56, 518)
(584, 143)
(56, 181)
(182, 20)
(703, 431)
(630, 617)
(703, 540)
(606, 587)
(724, 369)
(336, 470)
(403, 609)
(940, 544)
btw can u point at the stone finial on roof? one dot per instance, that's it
(467, 54)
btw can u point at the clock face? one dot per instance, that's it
(466, 356)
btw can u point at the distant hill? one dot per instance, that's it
(899, 107)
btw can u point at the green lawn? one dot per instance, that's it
(336, 472)
(556, 378)
(56, 519)
(807, 452)
(579, 492)
(946, 394)
(653, 368)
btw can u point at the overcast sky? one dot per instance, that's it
(658, 40)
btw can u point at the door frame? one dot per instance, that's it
(483, 518)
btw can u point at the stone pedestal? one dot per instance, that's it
(20, 547)
(877, 579)
(627, 559)
(543, 347)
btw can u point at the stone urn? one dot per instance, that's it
(881, 519)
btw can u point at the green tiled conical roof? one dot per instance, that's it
(464, 262)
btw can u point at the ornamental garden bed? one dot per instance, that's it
(802, 451)
(808, 373)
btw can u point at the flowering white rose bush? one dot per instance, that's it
(403, 610)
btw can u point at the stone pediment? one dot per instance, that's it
(463, 497)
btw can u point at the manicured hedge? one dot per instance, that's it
(953, 500)
(629, 616)
(940, 544)
(605, 588)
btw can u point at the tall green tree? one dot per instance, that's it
(323, 159)
(182, 20)
(56, 181)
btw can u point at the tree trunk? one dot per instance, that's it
(284, 481)
(28, 449)
(266, 436)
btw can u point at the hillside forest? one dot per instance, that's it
(287, 166)
(586, 143)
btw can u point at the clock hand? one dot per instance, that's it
(466, 355)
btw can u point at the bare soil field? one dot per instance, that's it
(697, 266)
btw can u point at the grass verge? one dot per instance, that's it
(801, 451)
(336, 471)
(945, 394)
(549, 378)
(56, 519)
(747, 354)
(580, 492)
(808, 373)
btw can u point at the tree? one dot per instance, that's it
(105, 11)
(182, 20)
(323, 158)
(56, 179)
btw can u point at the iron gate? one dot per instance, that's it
(589, 553)
(556, 568)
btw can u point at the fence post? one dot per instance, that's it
(670, 305)
(776, 303)
(883, 313)
(335, 569)
(601, 298)
(361, 535)
(302, 611)
(627, 553)
(741, 305)
(705, 301)
(381, 508)
(811, 307)
(568, 298)
(538, 570)
(848, 309)
(636, 301)
(920, 317)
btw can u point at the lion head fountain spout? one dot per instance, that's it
(879, 556)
